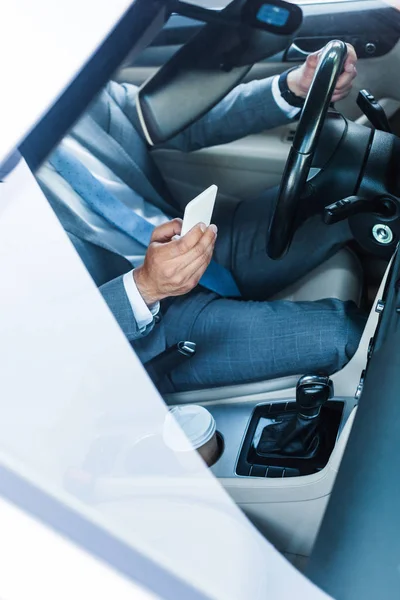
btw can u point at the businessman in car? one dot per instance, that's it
(212, 285)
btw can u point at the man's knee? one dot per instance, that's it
(341, 331)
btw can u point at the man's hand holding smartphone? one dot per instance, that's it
(173, 267)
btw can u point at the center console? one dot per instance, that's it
(279, 439)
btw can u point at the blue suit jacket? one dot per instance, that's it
(111, 131)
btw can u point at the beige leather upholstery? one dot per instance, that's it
(339, 277)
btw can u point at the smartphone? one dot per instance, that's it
(200, 209)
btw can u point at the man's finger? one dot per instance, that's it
(200, 264)
(197, 270)
(312, 59)
(204, 247)
(345, 79)
(177, 248)
(165, 233)
(205, 243)
(349, 65)
(200, 272)
(341, 96)
(195, 263)
(351, 59)
(343, 89)
(190, 239)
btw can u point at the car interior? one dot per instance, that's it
(352, 152)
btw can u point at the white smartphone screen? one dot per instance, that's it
(200, 209)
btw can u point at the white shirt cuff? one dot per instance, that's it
(288, 109)
(143, 314)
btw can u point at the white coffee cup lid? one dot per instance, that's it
(196, 422)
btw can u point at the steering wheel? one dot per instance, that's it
(301, 154)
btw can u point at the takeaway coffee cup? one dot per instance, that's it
(200, 433)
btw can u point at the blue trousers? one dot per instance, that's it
(252, 338)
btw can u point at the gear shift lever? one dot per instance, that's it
(298, 435)
(312, 392)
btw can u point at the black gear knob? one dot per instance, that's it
(312, 392)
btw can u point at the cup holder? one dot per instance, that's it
(221, 446)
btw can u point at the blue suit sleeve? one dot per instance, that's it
(114, 294)
(112, 288)
(248, 109)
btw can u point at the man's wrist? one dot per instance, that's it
(293, 85)
(143, 287)
(144, 315)
(289, 88)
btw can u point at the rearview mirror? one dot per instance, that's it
(277, 16)
(212, 63)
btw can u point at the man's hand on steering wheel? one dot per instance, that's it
(331, 81)
(299, 80)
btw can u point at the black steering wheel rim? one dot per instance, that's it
(282, 227)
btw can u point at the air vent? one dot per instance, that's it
(289, 135)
